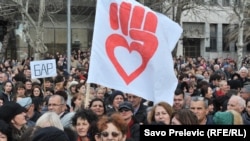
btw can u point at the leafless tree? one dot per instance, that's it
(240, 32)
(175, 9)
(33, 13)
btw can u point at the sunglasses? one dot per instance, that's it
(121, 110)
(106, 134)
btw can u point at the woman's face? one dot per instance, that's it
(79, 100)
(161, 115)
(112, 133)
(82, 127)
(209, 93)
(19, 120)
(97, 107)
(175, 121)
(73, 89)
(36, 92)
(117, 100)
(3, 137)
(8, 87)
(82, 89)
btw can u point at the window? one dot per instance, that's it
(226, 3)
(213, 2)
(248, 47)
(236, 2)
(225, 43)
(213, 37)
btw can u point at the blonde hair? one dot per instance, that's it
(237, 117)
(49, 119)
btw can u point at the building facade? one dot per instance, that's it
(204, 32)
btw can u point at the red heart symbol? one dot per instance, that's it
(116, 40)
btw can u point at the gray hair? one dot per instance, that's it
(200, 98)
(49, 119)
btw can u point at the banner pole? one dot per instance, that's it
(86, 103)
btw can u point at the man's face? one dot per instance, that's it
(198, 108)
(55, 105)
(135, 100)
(47, 84)
(28, 85)
(233, 104)
(178, 102)
(28, 73)
(59, 86)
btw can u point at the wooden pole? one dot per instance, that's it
(86, 103)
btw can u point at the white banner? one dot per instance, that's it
(43, 68)
(131, 50)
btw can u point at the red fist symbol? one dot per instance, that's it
(137, 25)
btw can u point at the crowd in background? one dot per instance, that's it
(209, 92)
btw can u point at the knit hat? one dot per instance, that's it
(114, 94)
(126, 105)
(223, 118)
(49, 134)
(73, 83)
(9, 110)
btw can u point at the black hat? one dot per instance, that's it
(49, 134)
(9, 110)
(114, 94)
(5, 129)
(126, 105)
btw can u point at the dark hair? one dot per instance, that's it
(98, 99)
(91, 117)
(28, 133)
(12, 90)
(5, 129)
(70, 133)
(185, 117)
(179, 91)
(214, 76)
(62, 93)
(40, 89)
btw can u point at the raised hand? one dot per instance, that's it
(137, 33)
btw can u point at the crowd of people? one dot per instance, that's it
(64, 107)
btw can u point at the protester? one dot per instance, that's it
(160, 113)
(57, 104)
(184, 117)
(178, 101)
(82, 122)
(50, 119)
(115, 99)
(140, 110)
(229, 117)
(50, 134)
(15, 115)
(199, 106)
(127, 111)
(111, 128)
(77, 102)
(5, 131)
(97, 105)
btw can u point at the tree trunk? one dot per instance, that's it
(240, 43)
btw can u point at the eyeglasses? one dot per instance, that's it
(121, 110)
(106, 134)
(54, 105)
(197, 98)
